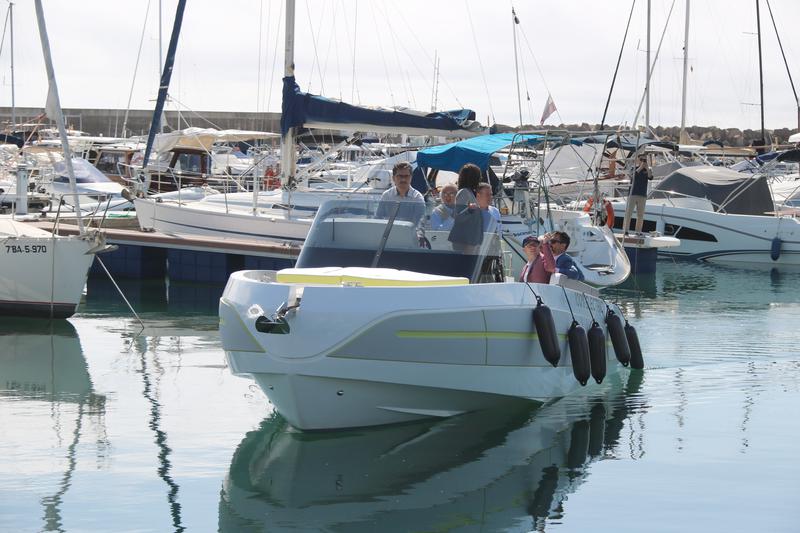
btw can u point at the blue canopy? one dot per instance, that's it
(312, 111)
(476, 150)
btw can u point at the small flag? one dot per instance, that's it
(549, 109)
(513, 13)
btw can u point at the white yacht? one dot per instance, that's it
(383, 322)
(721, 216)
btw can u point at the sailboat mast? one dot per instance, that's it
(514, 22)
(683, 137)
(288, 160)
(760, 72)
(13, 100)
(163, 88)
(647, 83)
(53, 109)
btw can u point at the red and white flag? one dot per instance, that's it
(549, 109)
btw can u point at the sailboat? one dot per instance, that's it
(286, 214)
(44, 274)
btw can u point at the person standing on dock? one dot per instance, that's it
(403, 199)
(638, 196)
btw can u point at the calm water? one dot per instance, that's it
(103, 430)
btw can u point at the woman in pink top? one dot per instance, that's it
(540, 261)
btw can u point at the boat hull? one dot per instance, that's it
(43, 276)
(362, 356)
(723, 238)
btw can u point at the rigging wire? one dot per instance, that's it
(353, 84)
(135, 70)
(616, 69)
(409, 28)
(409, 89)
(525, 79)
(260, 27)
(5, 26)
(275, 54)
(330, 48)
(480, 62)
(786, 63)
(650, 68)
(383, 57)
(538, 68)
(314, 38)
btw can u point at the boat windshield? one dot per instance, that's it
(379, 234)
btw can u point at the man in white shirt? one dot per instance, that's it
(402, 198)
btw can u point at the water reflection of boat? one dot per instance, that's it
(43, 363)
(497, 470)
(43, 360)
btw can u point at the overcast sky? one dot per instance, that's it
(381, 52)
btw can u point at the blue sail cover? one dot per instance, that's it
(476, 150)
(309, 110)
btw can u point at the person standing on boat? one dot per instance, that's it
(541, 264)
(638, 196)
(467, 232)
(402, 200)
(565, 264)
(490, 215)
(443, 215)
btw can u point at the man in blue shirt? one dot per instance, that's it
(407, 201)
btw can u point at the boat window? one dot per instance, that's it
(691, 234)
(188, 163)
(108, 162)
(647, 226)
(359, 233)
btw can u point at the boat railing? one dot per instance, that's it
(669, 195)
(90, 215)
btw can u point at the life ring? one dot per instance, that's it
(609, 210)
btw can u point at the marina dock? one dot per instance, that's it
(147, 255)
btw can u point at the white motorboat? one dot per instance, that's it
(497, 470)
(43, 274)
(720, 216)
(381, 322)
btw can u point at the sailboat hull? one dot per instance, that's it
(43, 275)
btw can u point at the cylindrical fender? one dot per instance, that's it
(578, 445)
(637, 361)
(618, 338)
(579, 352)
(597, 427)
(546, 331)
(775, 249)
(597, 352)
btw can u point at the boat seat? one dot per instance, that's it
(365, 277)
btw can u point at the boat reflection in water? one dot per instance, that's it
(43, 360)
(494, 470)
(44, 376)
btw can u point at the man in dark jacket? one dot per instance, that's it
(565, 264)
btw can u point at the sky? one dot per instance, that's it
(381, 53)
